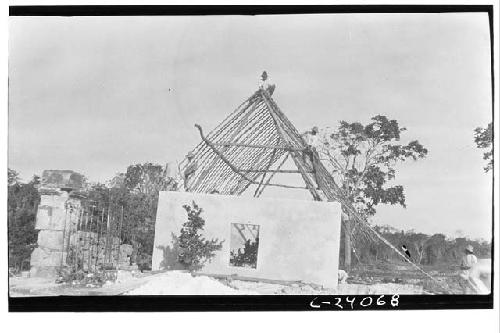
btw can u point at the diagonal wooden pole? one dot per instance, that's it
(325, 180)
(231, 166)
(286, 139)
(272, 175)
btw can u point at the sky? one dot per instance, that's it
(97, 94)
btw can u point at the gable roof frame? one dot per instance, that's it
(256, 136)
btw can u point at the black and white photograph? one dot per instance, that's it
(338, 160)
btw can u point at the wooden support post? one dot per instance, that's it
(271, 176)
(64, 233)
(264, 175)
(347, 242)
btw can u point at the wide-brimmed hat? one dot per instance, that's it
(469, 248)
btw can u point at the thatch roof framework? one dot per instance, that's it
(251, 146)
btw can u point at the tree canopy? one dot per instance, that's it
(425, 249)
(148, 178)
(137, 192)
(363, 159)
(22, 203)
(483, 137)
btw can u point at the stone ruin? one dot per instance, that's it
(58, 191)
(59, 242)
(90, 252)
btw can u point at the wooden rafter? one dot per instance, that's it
(235, 144)
(253, 138)
(234, 168)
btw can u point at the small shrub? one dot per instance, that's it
(247, 257)
(193, 249)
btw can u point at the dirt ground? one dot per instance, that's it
(366, 280)
(446, 277)
(172, 283)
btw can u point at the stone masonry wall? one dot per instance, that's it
(56, 215)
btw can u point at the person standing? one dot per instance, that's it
(470, 272)
(312, 137)
(469, 260)
(312, 141)
(191, 168)
(265, 84)
(182, 176)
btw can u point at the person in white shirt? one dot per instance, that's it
(312, 137)
(182, 177)
(469, 260)
(191, 168)
(312, 141)
(471, 272)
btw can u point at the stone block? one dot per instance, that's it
(52, 213)
(51, 218)
(54, 199)
(43, 217)
(50, 239)
(41, 257)
(128, 267)
(123, 276)
(47, 200)
(126, 250)
(44, 272)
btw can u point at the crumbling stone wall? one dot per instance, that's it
(57, 213)
(88, 249)
(60, 244)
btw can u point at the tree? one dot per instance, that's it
(247, 257)
(416, 243)
(143, 183)
(139, 213)
(435, 249)
(425, 249)
(194, 250)
(118, 181)
(148, 178)
(483, 137)
(22, 202)
(363, 159)
(137, 192)
(12, 177)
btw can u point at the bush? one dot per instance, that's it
(247, 257)
(23, 200)
(193, 249)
